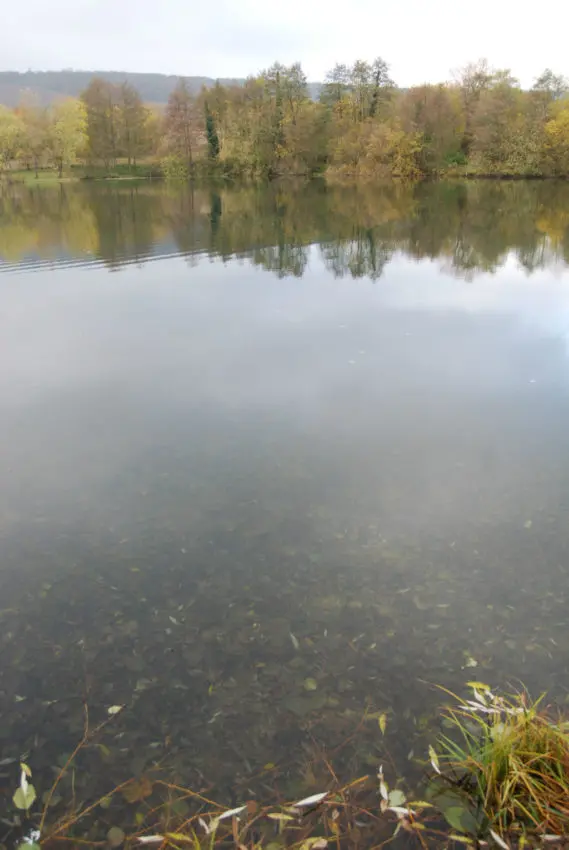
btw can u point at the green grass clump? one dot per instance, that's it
(507, 759)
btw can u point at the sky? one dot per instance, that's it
(422, 40)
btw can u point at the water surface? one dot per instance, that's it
(273, 457)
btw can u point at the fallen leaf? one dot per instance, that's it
(114, 709)
(138, 790)
(310, 801)
(499, 840)
(115, 836)
(434, 760)
(231, 813)
(396, 797)
(382, 721)
(24, 797)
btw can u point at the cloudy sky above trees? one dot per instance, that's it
(421, 39)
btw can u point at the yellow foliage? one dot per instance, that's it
(556, 146)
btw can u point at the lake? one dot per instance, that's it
(275, 460)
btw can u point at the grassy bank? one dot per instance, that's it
(498, 774)
(155, 170)
(50, 176)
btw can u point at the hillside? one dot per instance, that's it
(49, 85)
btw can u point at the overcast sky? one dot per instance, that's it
(421, 39)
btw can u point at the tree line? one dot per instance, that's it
(362, 125)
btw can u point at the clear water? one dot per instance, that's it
(273, 457)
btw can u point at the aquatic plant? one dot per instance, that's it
(503, 768)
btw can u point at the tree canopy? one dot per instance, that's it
(362, 125)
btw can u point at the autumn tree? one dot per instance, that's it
(182, 125)
(103, 124)
(336, 87)
(67, 132)
(290, 85)
(133, 119)
(35, 133)
(472, 80)
(556, 146)
(435, 113)
(361, 89)
(12, 132)
(381, 85)
(548, 89)
(496, 121)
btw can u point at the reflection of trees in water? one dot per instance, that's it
(469, 227)
(364, 256)
(285, 260)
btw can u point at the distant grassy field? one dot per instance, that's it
(120, 171)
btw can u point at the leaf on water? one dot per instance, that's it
(114, 709)
(115, 836)
(400, 811)
(396, 797)
(382, 721)
(151, 839)
(232, 813)
(480, 686)
(453, 816)
(383, 789)
(420, 804)
(295, 641)
(463, 838)
(310, 801)
(280, 816)
(314, 844)
(471, 662)
(24, 797)
(138, 790)
(499, 840)
(434, 760)
(310, 684)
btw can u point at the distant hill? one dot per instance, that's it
(50, 85)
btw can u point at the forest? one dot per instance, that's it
(362, 125)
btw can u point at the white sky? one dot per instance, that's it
(421, 39)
